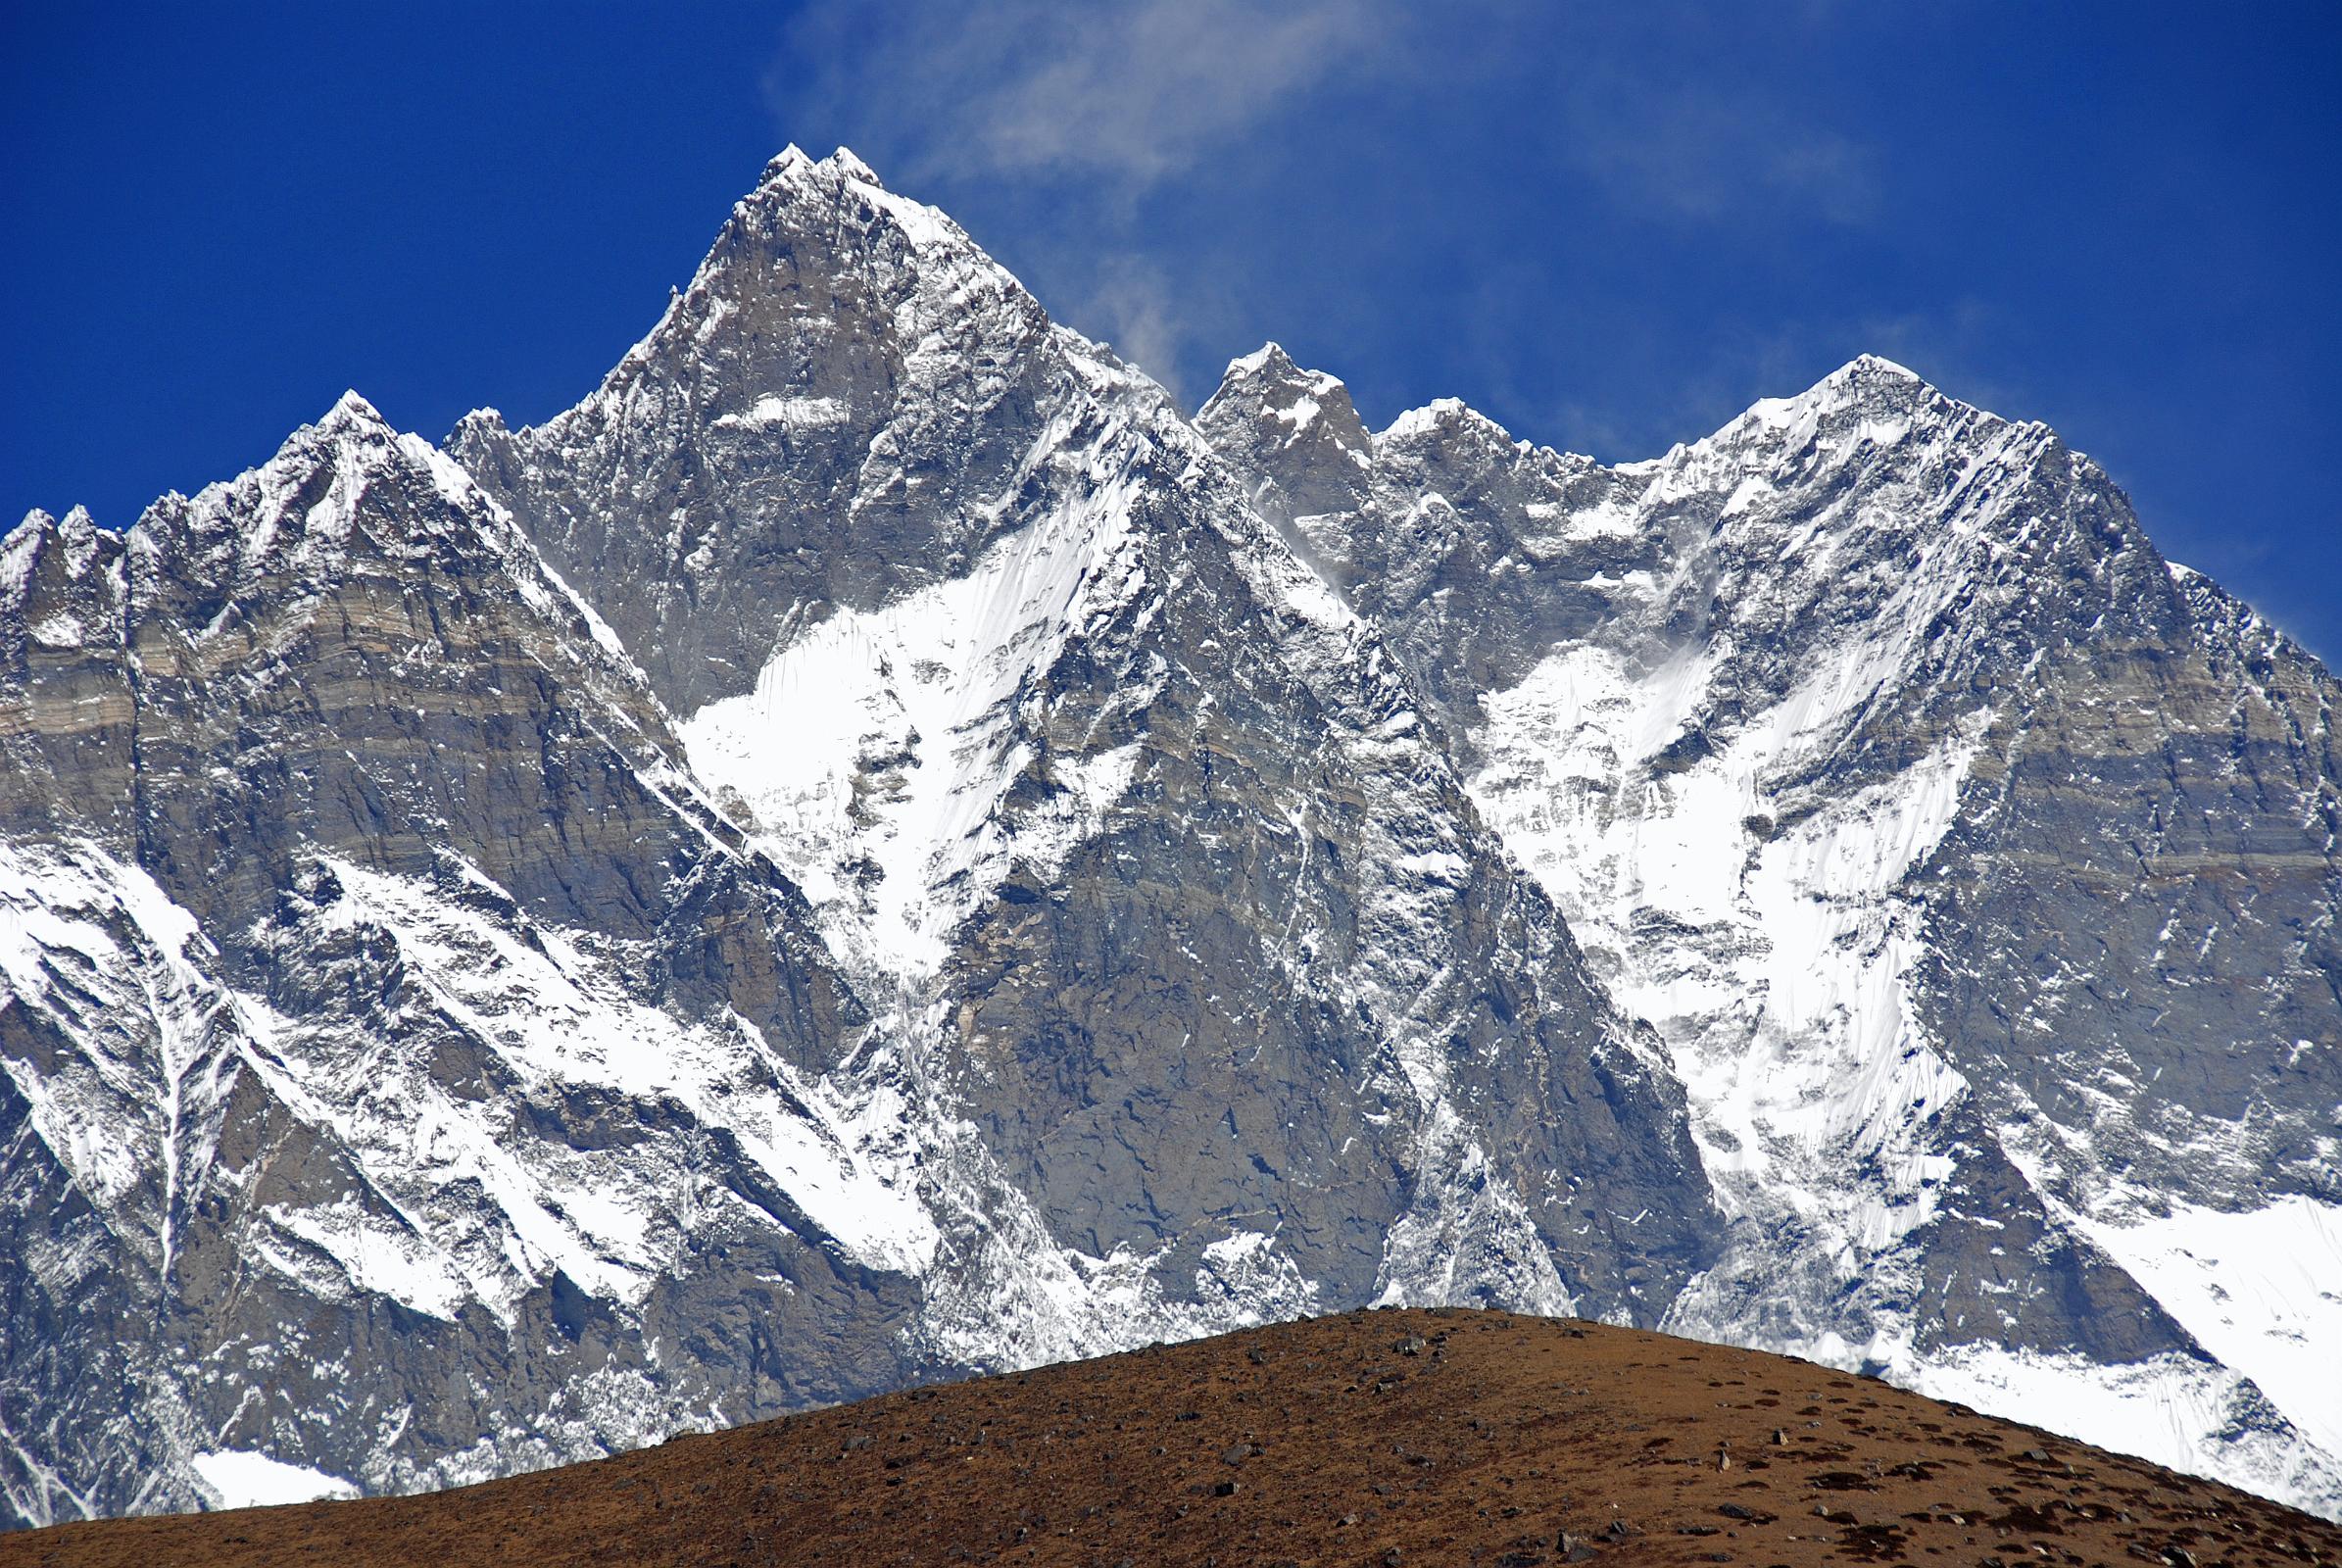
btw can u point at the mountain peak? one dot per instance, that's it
(1269, 413)
(1445, 418)
(479, 424)
(353, 414)
(1868, 387)
(1268, 381)
(833, 214)
(787, 161)
(77, 521)
(842, 163)
(46, 566)
(348, 481)
(1866, 378)
(1873, 377)
(1270, 359)
(1876, 367)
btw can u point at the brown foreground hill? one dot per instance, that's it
(1388, 1437)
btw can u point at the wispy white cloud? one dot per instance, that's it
(1078, 137)
(1082, 111)
(1132, 306)
(1128, 92)
(1708, 154)
(1706, 146)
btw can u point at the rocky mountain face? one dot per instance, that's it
(1978, 866)
(1130, 824)
(874, 848)
(391, 1022)
(1069, 936)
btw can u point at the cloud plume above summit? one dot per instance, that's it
(1128, 93)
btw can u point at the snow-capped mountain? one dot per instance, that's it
(390, 1019)
(1979, 869)
(873, 847)
(434, 1058)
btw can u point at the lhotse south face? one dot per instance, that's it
(874, 847)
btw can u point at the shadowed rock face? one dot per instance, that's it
(873, 847)
(1252, 1002)
(2139, 939)
(1978, 866)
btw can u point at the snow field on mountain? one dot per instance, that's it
(1774, 962)
(2191, 1415)
(560, 1017)
(1780, 970)
(882, 739)
(100, 949)
(237, 1478)
(2261, 1289)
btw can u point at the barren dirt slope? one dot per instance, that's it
(1401, 1437)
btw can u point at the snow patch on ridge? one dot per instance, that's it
(236, 1478)
(99, 950)
(2261, 1289)
(771, 410)
(555, 1006)
(453, 1209)
(2186, 1414)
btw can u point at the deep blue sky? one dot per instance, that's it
(1610, 227)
